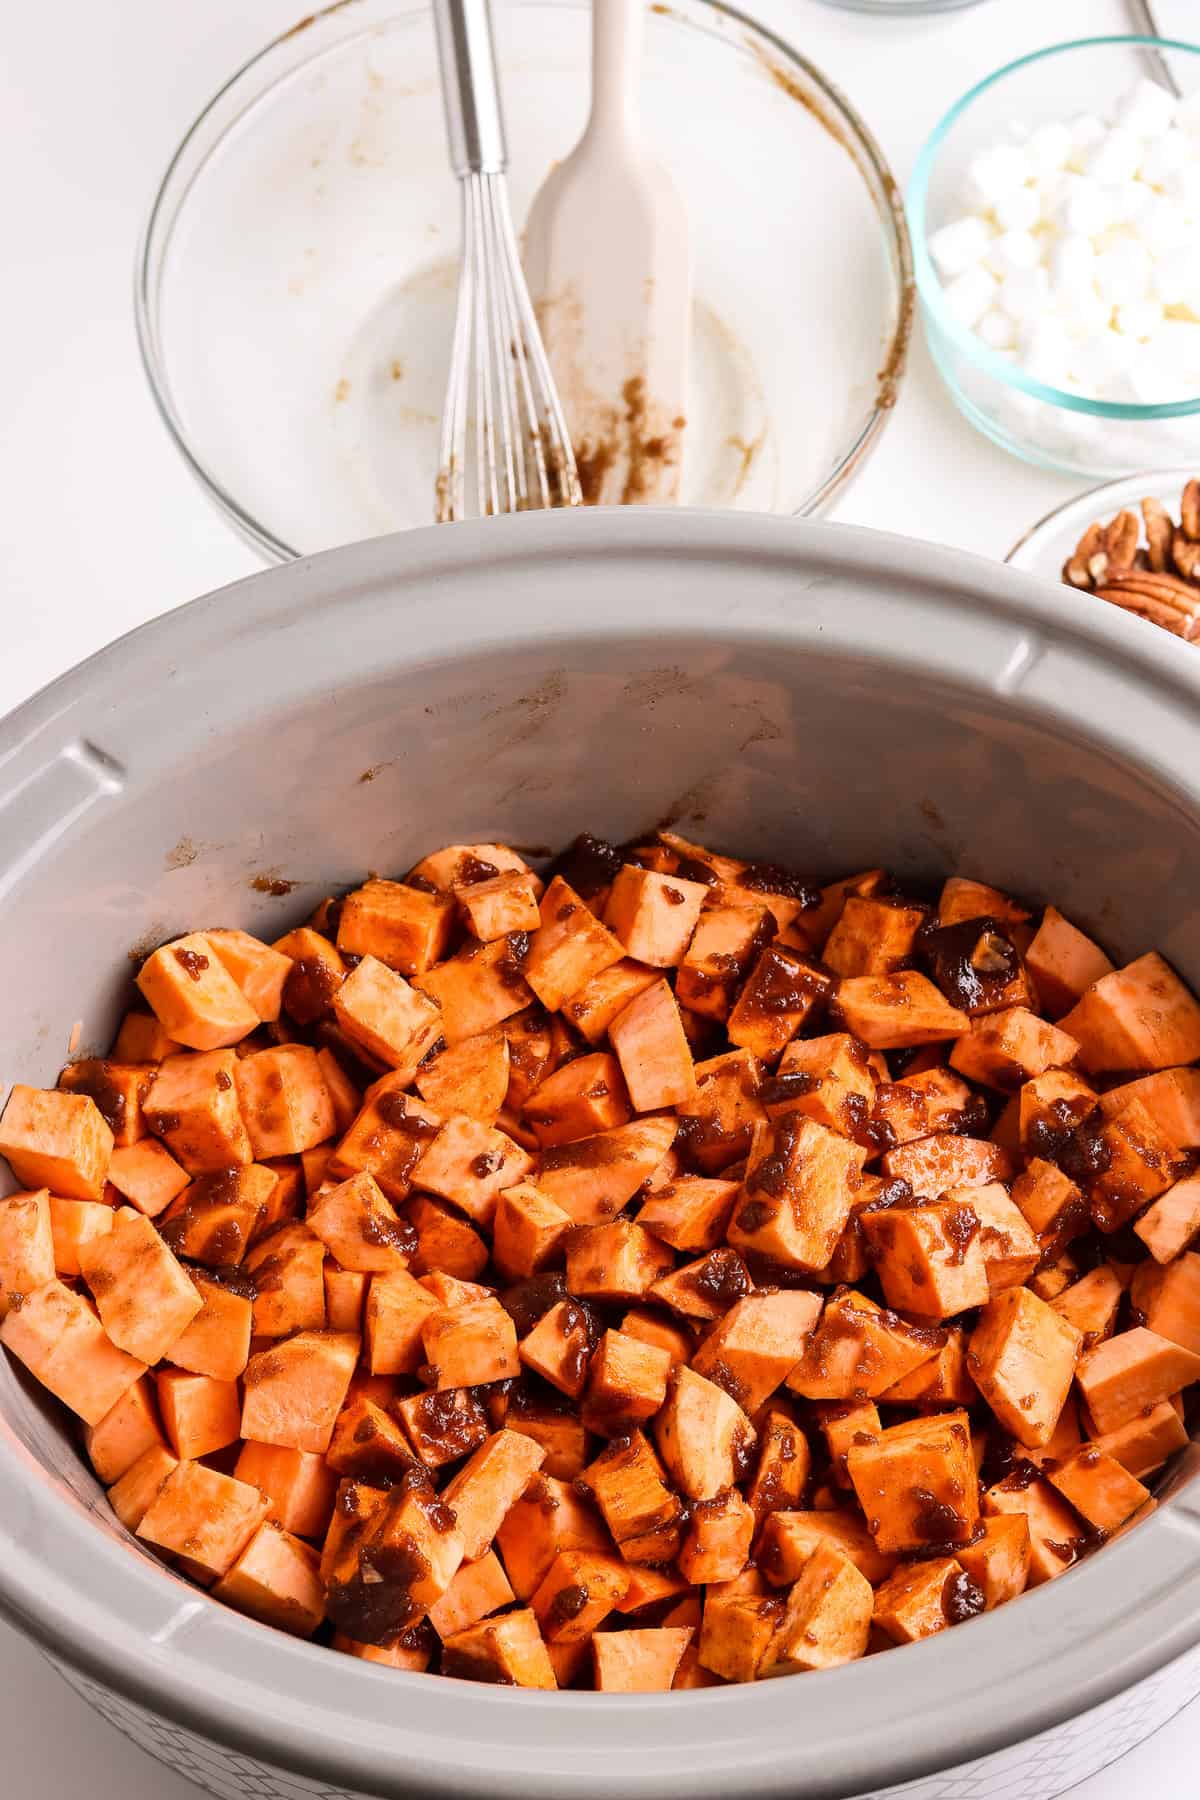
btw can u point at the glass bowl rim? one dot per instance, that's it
(887, 205)
(929, 286)
(1154, 480)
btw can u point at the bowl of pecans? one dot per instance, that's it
(1133, 542)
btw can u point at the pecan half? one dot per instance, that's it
(1164, 599)
(1159, 532)
(1189, 510)
(1185, 553)
(1077, 571)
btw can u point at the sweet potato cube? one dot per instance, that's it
(316, 975)
(639, 1662)
(295, 1390)
(789, 1539)
(458, 865)
(845, 1423)
(1005, 1049)
(471, 1077)
(74, 1223)
(781, 993)
(406, 1651)
(527, 1231)
(828, 1079)
(1049, 1201)
(193, 995)
(143, 1294)
(1172, 1222)
(509, 1650)
(217, 1217)
(548, 1516)
(479, 988)
(356, 1507)
(649, 1587)
(204, 1518)
(569, 948)
(1145, 1443)
(827, 1619)
(285, 1105)
(1090, 1304)
(936, 1164)
(1101, 1489)
(718, 1123)
(615, 1262)
(1140, 1164)
(501, 904)
(470, 1163)
(471, 1345)
(800, 1185)
(485, 1491)
(200, 1415)
(874, 936)
(56, 1140)
(577, 1592)
(359, 1228)
(396, 1312)
(917, 1484)
(704, 1289)
(276, 1580)
(479, 1588)
(258, 970)
(1170, 1096)
(133, 1493)
(736, 1632)
(690, 1213)
(594, 1178)
(597, 1003)
(147, 1175)
(217, 1341)
(1064, 962)
(923, 1598)
(703, 1436)
(408, 1555)
(725, 944)
(378, 1010)
(141, 1039)
(559, 1346)
(1022, 1358)
(444, 1425)
(654, 915)
(859, 1350)
(717, 1544)
(929, 1258)
(757, 1344)
(784, 1462)
(582, 1098)
(894, 1012)
(298, 1486)
(118, 1090)
(961, 898)
(1131, 1372)
(626, 1384)
(812, 927)
(128, 1429)
(926, 1101)
(1169, 1298)
(26, 1248)
(369, 1445)
(998, 1561)
(444, 1239)
(1139, 1017)
(1011, 1250)
(387, 1139)
(943, 1379)
(404, 927)
(653, 1050)
(289, 1282)
(193, 1106)
(1054, 1529)
(1050, 1104)
(651, 1327)
(560, 1435)
(640, 1510)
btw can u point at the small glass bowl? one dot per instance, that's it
(1046, 546)
(296, 281)
(1045, 425)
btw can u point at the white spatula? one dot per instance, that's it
(607, 262)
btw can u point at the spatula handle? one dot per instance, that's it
(618, 27)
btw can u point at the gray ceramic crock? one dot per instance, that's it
(830, 697)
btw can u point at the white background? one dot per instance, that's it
(101, 527)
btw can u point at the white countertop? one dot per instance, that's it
(103, 527)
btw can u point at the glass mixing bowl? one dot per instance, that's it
(296, 279)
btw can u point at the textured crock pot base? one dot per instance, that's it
(1039, 1769)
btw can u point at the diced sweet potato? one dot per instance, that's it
(962, 898)
(1170, 1096)
(784, 1462)
(893, 1012)
(405, 1651)
(1064, 962)
(934, 1165)
(406, 1558)
(368, 1444)
(782, 992)
(394, 1022)
(396, 1313)
(147, 1175)
(1139, 1164)
(593, 1008)
(298, 1486)
(478, 1589)
(926, 1101)
(286, 1199)
(128, 1429)
(917, 1484)
(444, 1239)
(316, 975)
(1145, 1443)
(277, 1580)
(559, 1347)
(827, 1619)
(74, 1223)
(874, 936)
(1139, 1017)
(470, 1163)
(200, 1415)
(258, 970)
(705, 1288)
(654, 915)
(193, 1106)
(217, 1217)
(1172, 1222)
(480, 987)
(1090, 1304)
(359, 1228)
(404, 927)
(528, 1230)
(653, 1051)
(920, 1599)
(829, 1079)
(204, 1518)
(639, 1662)
(736, 1633)
(295, 1390)
(789, 1539)
(800, 1183)
(144, 1295)
(509, 1650)
(470, 1345)
(387, 1139)
(578, 1591)
(1050, 1202)
(217, 1341)
(717, 1544)
(626, 1384)
(1022, 1358)
(582, 1098)
(703, 1436)
(651, 1327)
(640, 1510)
(193, 995)
(757, 1344)
(132, 1494)
(726, 942)
(569, 948)
(1051, 1104)
(118, 1090)
(998, 1560)
(1100, 1488)
(500, 905)
(27, 1258)
(690, 1213)
(620, 1261)
(1055, 1539)
(859, 1350)
(289, 1282)
(811, 928)
(486, 1489)
(285, 1105)
(444, 1425)
(458, 865)
(1011, 1250)
(929, 1258)
(471, 1077)
(141, 1039)
(650, 1587)
(845, 1423)
(1131, 1372)
(1168, 1299)
(718, 1124)
(1005, 1049)
(56, 1140)
(594, 1178)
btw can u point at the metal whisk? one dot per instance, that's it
(500, 378)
